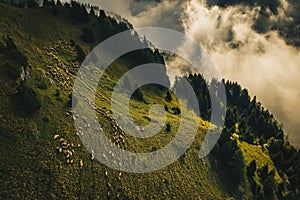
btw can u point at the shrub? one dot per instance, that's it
(168, 127)
(41, 83)
(28, 99)
(57, 93)
(168, 97)
(45, 119)
(80, 54)
(251, 169)
(9, 43)
(87, 35)
(72, 43)
(154, 149)
(166, 108)
(2, 47)
(176, 111)
(12, 70)
(138, 95)
(13, 52)
(181, 159)
(147, 118)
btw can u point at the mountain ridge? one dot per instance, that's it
(40, 52)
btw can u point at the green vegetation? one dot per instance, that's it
(87, 35)
(28, 99)
(41, 50)
(33, 163)
(168, 127)
(249, 130)
(168, 97)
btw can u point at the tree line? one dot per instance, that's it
(255, 125)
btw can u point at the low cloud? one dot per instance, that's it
(261, 62)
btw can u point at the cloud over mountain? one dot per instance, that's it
(252, 43)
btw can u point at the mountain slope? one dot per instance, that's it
(31, 162)
(41, 154)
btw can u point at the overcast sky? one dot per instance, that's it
(264, 64)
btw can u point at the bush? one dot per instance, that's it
(57, 93)
(45, 119)
(2, 47)
(154, 149)
(176, 111)
(28, 99)
(72, 43)
(13, 52)
(12, 70)
(80, 54)
(166, 108)
(87, 35)
(41, 83)
(17, 58)
(9, 43)
(168, 127)
(168, 96)
(251, 169)
(138, 95)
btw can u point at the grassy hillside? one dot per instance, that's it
(260, 155)
(41, 154)
(31, 162)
